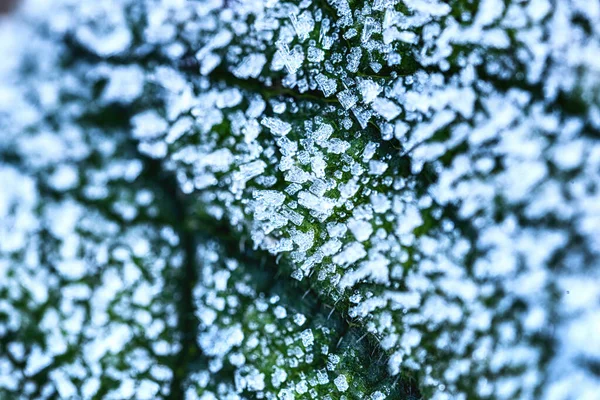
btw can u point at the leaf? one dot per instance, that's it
(336, 199)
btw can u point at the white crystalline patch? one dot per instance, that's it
(273, 220)
(322, 377)
(395, 361)
(90, 387)
(72, 269)
(370, 27)
(392, 34)
(302, 387)
(229, 98)
(278, 377)
(112, 340)
(465, 102)
(354, 59)
(434, 8)
(269, 198)
(375, 66)
(287, 146)
(178, 129)
(206, 315)
(218, 41)
(569, 155)
(63, 219)
(369, 90)
(208, 63)
(278, 107)
(218, 342)
(251, 66)
(341, 383)
(17, 350)
(64, 178)
(293, 188)
(297, 175)
(369, 151)
(489, 11)
(367, 307)
(148, 389)
(256, 107)
(148, 125)
(66, 388)
(315, 55)
(362, 230)
(202, 181)
(362, 116)
(350, 33)
(37, 360)
(347, 98)
(34, 284)
(125, 84)
(280, 312)
(337, 146)
(276, 126)
(218, 161)
(245, 173)
(331, 247)
(307, 338)
(538, 9)
(292, 215)
(170, 79)
(322, 133)
(378, 396)
(322, 205)
(349, 189)
(319, 187)
(251, 131)
(303, 25)
(285, 394)
(299, 319)
(327, 85)
(304, 241)
(386, 108)
(220, 280)
(256, 381)
(427, 130)
(351, 253)
(318, 166)
(111, 35)
(154, 150)
(377, 167)
(520, 177)
(376, 268)
(42, 148)
(291, 59)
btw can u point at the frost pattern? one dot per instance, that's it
(430, 168)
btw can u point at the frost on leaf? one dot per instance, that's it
(426, 171)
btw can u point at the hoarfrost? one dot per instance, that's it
(483, 190)
(251, 66)
(319, 204)
(327, 85)
(341, 383)
(276, 126)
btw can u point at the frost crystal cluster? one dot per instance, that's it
(300, 199)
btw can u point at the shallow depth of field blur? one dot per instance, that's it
(300, 199)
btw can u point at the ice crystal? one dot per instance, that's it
(327, 85)
(341, 383)
(251, 66)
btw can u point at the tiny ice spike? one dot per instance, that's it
(300, 199)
